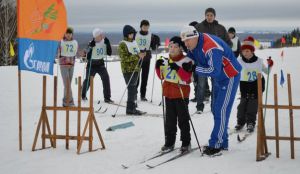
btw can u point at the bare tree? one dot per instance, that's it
(8, 29)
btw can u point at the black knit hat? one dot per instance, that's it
(212, 10)
(194, 23)
(177, 40)
(128, 30)
(69, 30)
(231, 30)
(144, 22)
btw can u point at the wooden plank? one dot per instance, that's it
(259, 145)
(60, 108)
(55, 111)
(79, 112)
(63, 137)
(276, 115)
(90, 119)
(282, 138)
(291, 118)
(281, 107)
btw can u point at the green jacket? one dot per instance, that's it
(128, 61)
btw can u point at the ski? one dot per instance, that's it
(99, 110)
(171, 159)
(144, 115)
(112, 103)
(243, 137)
(156, 155)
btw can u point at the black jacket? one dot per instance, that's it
(98, 63)
(215, 29)
(249, 89)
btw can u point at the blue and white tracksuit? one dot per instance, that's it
(214, 58)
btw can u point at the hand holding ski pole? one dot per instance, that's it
(270, 62)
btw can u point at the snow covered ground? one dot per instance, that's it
(132, 145)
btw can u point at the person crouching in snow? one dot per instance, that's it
(213, 57)
(131, 60)
(99, 48)
(252, 65)
(67, 52)
(176, 90)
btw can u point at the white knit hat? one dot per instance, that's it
(188, 32)
(97, 32)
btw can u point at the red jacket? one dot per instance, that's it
(172, 90)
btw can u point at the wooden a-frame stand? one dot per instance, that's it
(45, 126)
(262, 148)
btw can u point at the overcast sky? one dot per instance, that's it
(171, 15)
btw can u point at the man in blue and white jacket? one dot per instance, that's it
(214, 58)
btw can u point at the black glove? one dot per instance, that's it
(188, 67)
(92, 43)
(159, 63)
(174, 66)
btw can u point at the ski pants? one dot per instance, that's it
(224, 94)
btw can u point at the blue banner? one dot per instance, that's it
(37, 55)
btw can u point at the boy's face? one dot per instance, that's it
(210, 17)
(174, 49)
(130, 36)
(247, 53)
(231, 35)
(68, 36)
(191, 43)
(99, 38)
(145, 28)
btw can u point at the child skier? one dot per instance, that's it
(252, 65)
(99, 48)
(176, 90)
(67, 52)
(236, 44)
(131, 58)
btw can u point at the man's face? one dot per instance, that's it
(247, 53)
(145, 28)
(174, 49)
(191, 43)
(209, 17)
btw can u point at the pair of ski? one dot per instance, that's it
(102, 110)
(160, 154)
(241, 136)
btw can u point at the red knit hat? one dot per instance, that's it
(248, 43)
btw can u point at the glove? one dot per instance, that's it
(188, 67)
(174, 66)
(92, 43)
(159, 63)
(270, 62)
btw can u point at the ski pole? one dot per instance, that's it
(266, 99)
(153, 76)
(137, 65)
(163, 102)
(185, 106)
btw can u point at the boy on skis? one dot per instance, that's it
(236, 44)
(146, 41)
(213, 57)
(176, 90)
(99, 48)
(252, 65)
(67, 52)
(131, 60)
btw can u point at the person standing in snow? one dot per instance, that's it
(236, 44)
(252, 65)
(67, 53)
(131, 59)
(99, 48)
(214, 58)
(176, 90)
(146, 41)
(211, 26)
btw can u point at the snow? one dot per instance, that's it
(132, 145)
